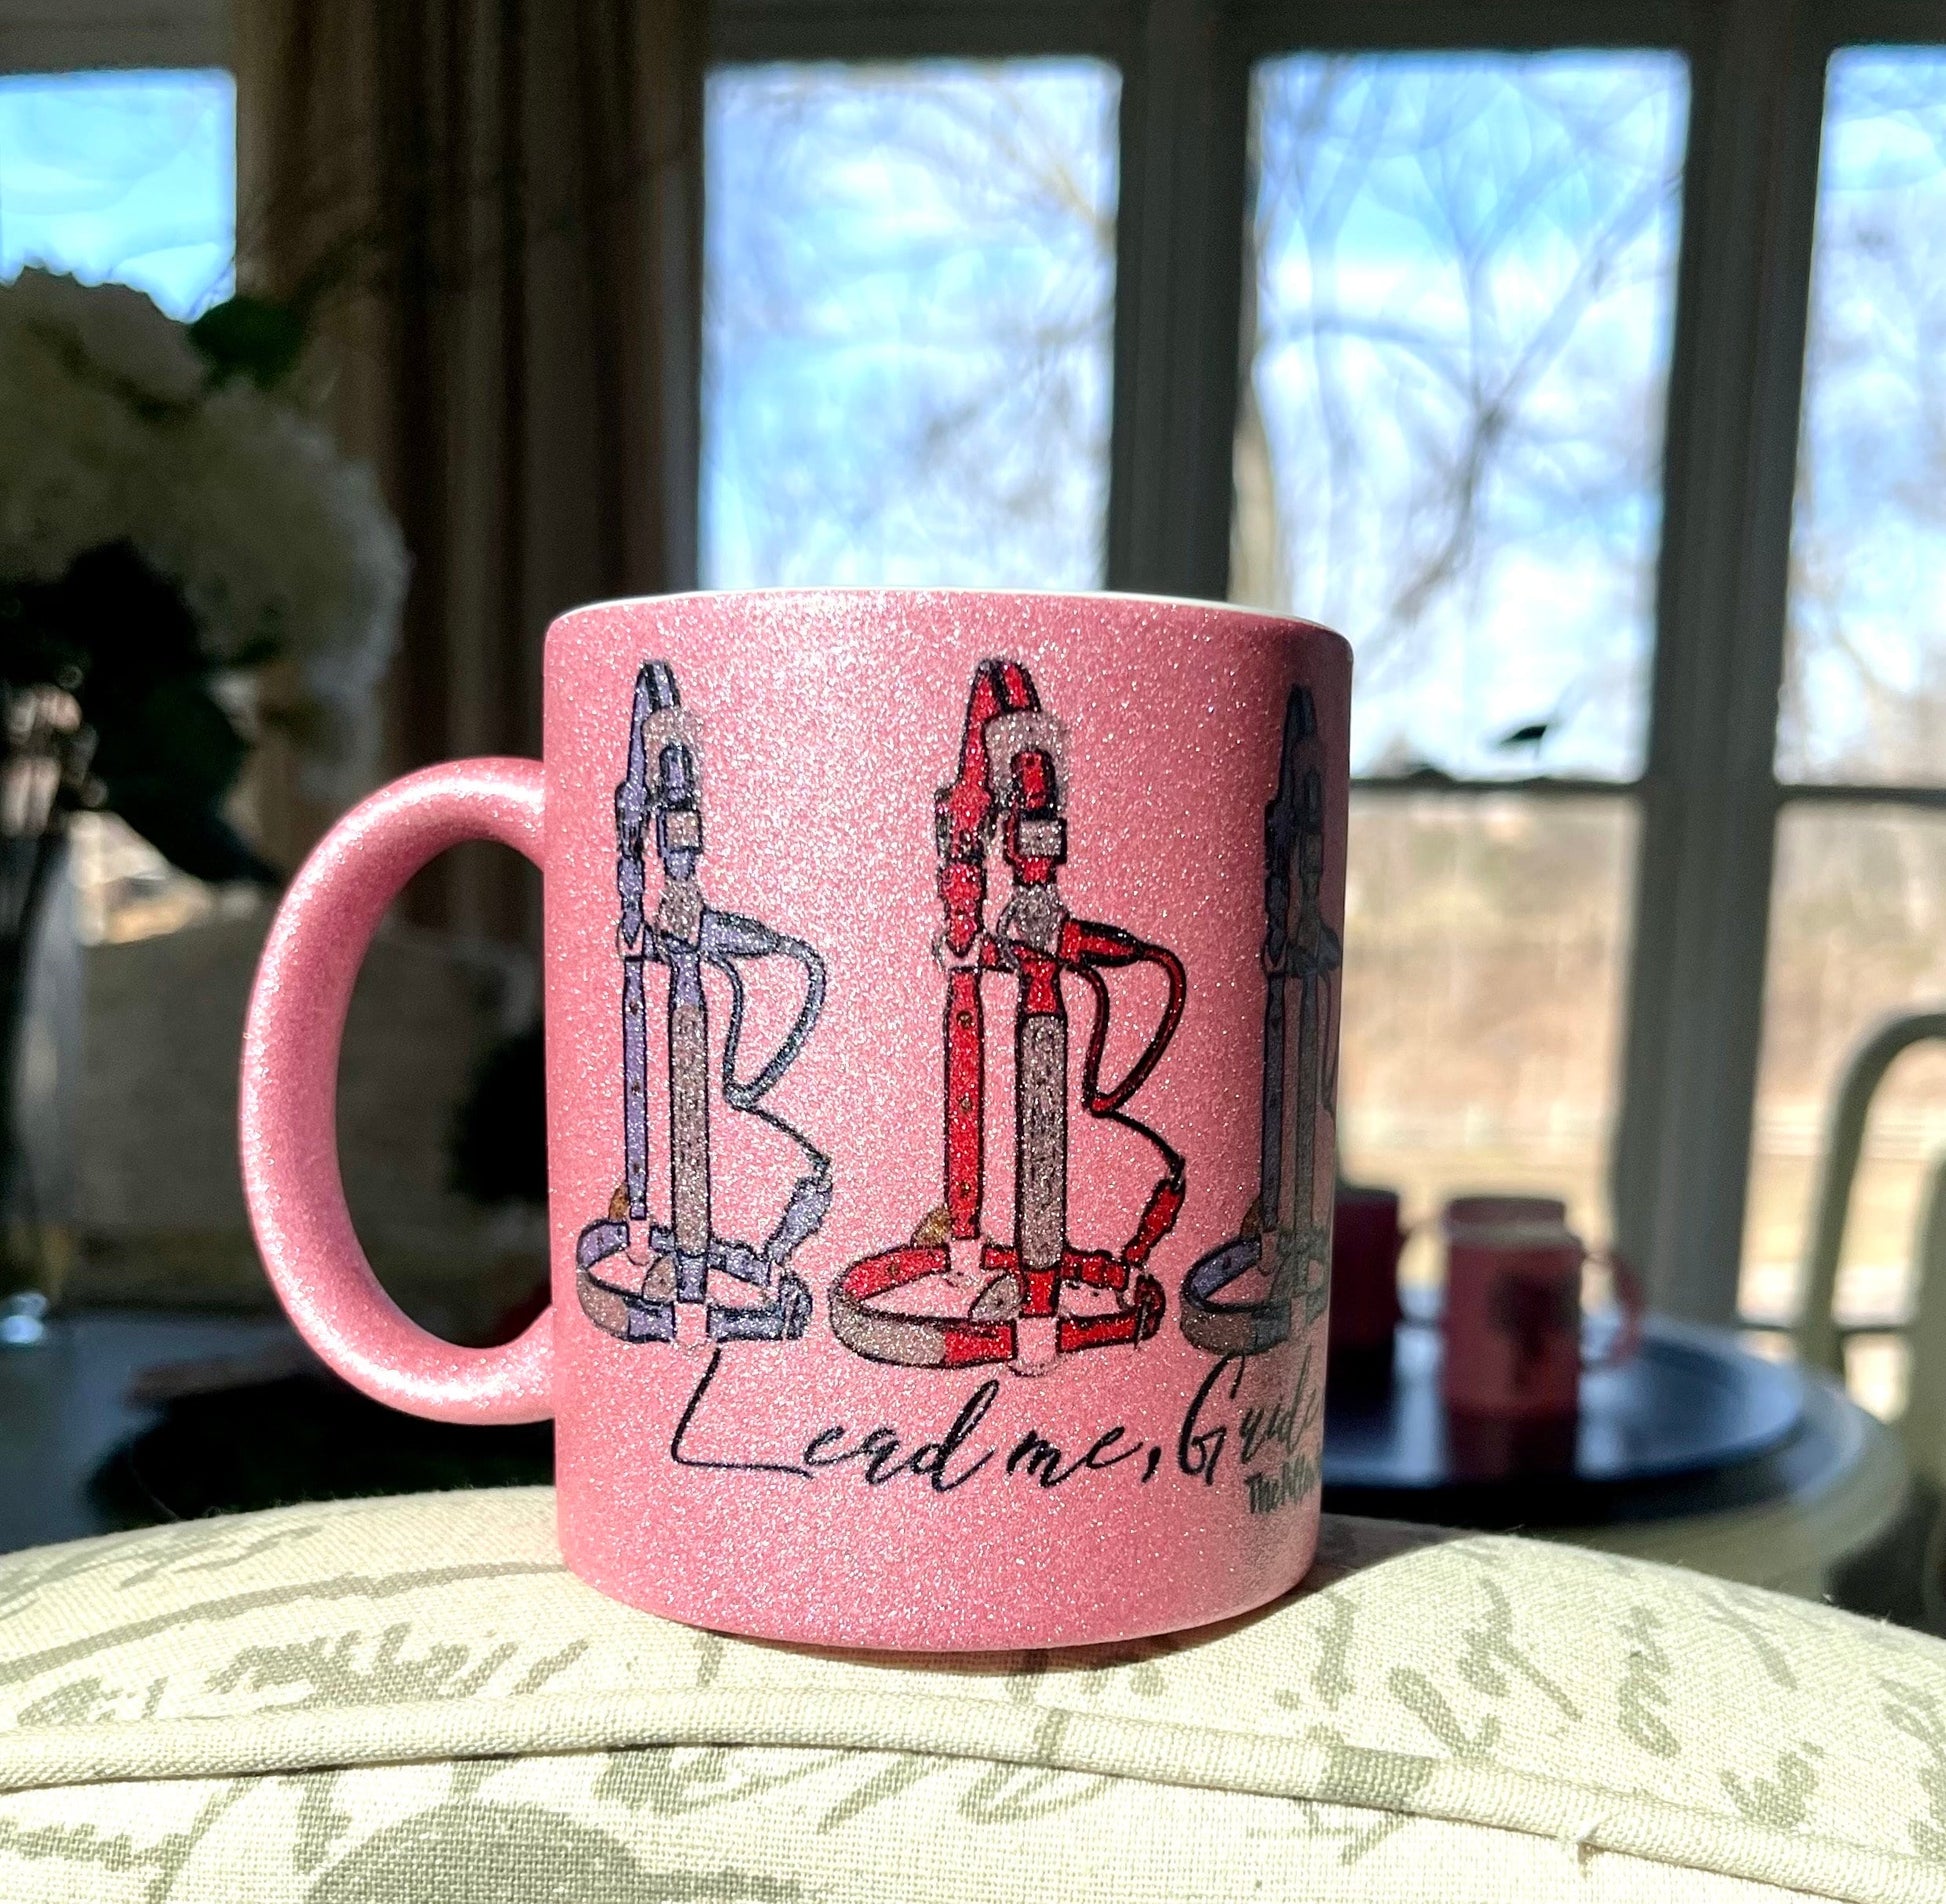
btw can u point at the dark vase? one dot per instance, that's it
(43, 763)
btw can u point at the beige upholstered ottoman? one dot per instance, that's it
(405, 1701)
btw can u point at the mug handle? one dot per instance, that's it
(1631, 1300)
(288, 1108)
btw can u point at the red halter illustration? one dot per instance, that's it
(1005, 1301)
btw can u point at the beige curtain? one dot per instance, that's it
(492, 209)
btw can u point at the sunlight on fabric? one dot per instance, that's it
(909, 306)
(1450, 442)
(122, 176)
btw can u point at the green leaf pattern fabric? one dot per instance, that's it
(411, 1701)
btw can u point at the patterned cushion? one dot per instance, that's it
(410, 1700)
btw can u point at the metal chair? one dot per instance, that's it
(1821, 1338)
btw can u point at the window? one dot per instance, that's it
(122, 176)
(1865, 687)
(1459, 284)
(1451, 439)
(1643, 740)
(1858, 911)
(909, 302)
(127, 177)
(1485, 941)
(1486, 263)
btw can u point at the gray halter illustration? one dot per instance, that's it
(1287, 1233)
(633, 1270)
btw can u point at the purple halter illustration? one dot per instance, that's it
(1286, 1234)
(632, 1269)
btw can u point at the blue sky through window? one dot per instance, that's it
(1451, 442)
(1865, 686)
(129, 176)
(909, 307)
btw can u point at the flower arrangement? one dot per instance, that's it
(170, 522)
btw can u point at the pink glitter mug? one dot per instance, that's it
(942, 1017)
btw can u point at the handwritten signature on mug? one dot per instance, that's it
(1223, 1429)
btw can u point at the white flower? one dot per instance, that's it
(121, 332)
(73, 453)
(273, 534)
(109, 431)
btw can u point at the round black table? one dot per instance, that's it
(1778, 1518)
(1696, 1452)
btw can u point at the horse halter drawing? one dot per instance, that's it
(951, 1297)
(1287, 1232)
(633, 1270)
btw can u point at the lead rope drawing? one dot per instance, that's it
(1288, 1230)
(1006, 1299)
(631, 1270)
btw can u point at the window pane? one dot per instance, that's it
(1865, 685)
(1856, 933)
(1876, 1371)
(1485, 942)
(909, 299)
(1450, 442)
(129, 176)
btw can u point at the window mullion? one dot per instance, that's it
(1179, 279)
(1709, 796)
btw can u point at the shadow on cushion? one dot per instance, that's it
(307, 1437)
